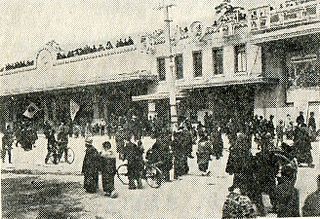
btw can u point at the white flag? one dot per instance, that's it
(32, 109)
(74, 108)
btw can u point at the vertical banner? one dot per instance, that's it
(74, 108)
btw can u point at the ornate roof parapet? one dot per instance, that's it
(294, 13)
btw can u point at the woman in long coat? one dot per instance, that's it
(90, 167)
(203, 154)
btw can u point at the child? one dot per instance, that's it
(108, 169)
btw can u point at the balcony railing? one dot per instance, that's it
(266, 18)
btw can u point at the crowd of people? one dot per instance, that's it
(19, 64)
(92, 49)
(270, 170)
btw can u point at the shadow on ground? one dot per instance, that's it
(31, 197)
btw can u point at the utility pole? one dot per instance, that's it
(170, 57)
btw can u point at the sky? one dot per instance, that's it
(27, 25)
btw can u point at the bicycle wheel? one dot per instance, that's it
(70, 157)
(154, 176)
(122, 173)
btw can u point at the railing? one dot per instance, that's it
(293, 15)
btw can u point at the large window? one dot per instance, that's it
(161, 64)
(217, 60)
(240, 59)
(197, 64)
(179, 66)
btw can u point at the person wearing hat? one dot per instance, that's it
(286, 202)
(90, 167)
(133, 153)
(108, 169)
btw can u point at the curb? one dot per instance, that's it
(38, 172)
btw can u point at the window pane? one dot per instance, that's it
(161, 62)
(217, 56)
(241, 59)
(197, 64)
(179, 66)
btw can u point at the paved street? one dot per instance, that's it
(192, 197)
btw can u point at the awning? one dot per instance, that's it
(227, 82)
(157, 96)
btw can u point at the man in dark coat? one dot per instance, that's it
(286, 195)
(51, 146)
(312, 126)
(300, 118)
(90, 167)
(217, 142)
(302, 145)
(179, 154)
(62, 139)
(133, 153)
(160, 155)
(239, 162)
(270, 126)
(7, 141)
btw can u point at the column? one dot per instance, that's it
(45, 110)
(54, 111)
(207, 65)
(95, 105)
(105, 107)
(228, 61)
(254, 59)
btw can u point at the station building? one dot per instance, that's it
(262, 61)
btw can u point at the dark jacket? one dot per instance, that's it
(287, 200)
(91, 161)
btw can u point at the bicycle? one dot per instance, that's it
(69, 159)
(151, 174)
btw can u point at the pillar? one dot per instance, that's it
(207, 64)
(45, 110)
(95, 105)
(105, 107)
(54, 111)
(254, 59)
(228, 61)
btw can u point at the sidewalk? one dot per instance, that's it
(32, 162)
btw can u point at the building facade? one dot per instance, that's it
(262, 61)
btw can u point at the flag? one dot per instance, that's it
(32, 109)
(74, 108)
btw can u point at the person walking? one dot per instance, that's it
(51, 146)
(90, 167)
(217, 142)
(7, 141)
(108, 169)
(239, 162)
(203, 154)
(62, 141)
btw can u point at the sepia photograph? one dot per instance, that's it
(160, 109)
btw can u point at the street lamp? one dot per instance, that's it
(171, 79)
